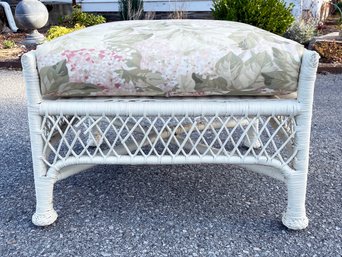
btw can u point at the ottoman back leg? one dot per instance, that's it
(295, 217)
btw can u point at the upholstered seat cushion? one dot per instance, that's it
(169, 58)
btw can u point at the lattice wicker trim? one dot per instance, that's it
(173, 136)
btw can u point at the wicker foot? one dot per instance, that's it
(92, 142)
(45, 213)
(252, 140)
(95, 139)
(295, 223)
(255, 144)
(44, 219)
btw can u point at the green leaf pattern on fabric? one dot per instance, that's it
(169, 58)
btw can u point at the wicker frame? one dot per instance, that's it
(266, 135)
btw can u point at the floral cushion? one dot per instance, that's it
(169, 58)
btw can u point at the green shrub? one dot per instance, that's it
(301, 31)
(81, 18)
(57, 31)
(271, 15)
(338, 9)
(131, 9)
(7, 44)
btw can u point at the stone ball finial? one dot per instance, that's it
(32, 15)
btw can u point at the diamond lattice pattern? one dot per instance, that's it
(174, 136)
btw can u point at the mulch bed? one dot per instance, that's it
(330, 51)
(10, 58)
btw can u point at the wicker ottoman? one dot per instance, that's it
(170, 92)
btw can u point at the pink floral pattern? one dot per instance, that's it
(169, 58)
(95, 59)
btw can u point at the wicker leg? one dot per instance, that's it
(251, 139)
(94, 137)
(295, 215)
(45, 214)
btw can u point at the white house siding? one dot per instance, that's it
(149, 5)
(298, 7)
(313, 6)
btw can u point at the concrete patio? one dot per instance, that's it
(203, 210)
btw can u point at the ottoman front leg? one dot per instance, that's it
(295, 215)
(45, 214)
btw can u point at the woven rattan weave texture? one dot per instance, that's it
(267, 135)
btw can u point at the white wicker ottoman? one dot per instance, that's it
(202, 92)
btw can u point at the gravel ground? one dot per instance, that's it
(201, 210)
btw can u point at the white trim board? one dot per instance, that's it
(149, 5)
